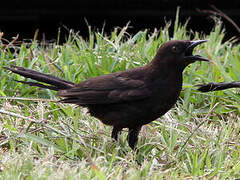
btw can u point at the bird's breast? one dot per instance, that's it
(164, 96)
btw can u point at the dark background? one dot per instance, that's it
(24, 17)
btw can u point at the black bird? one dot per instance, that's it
(217, 86)
(128, 99)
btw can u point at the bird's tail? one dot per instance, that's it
(52, 82)
(217, 86)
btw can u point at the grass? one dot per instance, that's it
(42, 139)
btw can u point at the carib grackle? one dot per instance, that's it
(127, 99)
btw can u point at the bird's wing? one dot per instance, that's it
(105, 89)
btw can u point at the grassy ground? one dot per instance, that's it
(42, 139)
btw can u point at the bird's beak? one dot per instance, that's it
(189, 50)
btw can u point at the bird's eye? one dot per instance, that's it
(175, 49)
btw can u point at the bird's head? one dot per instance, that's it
(179, 53)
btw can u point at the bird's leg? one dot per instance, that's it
(115, 132)
(133, 136)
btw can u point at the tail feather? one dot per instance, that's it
(217, 86)
(54, 82)
(39, 85)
